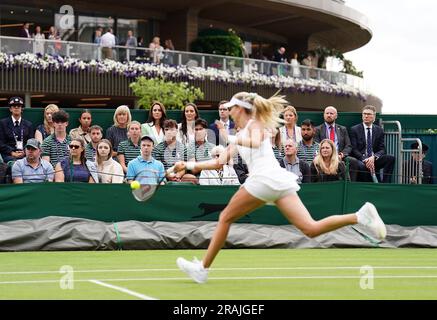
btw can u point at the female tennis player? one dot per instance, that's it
(267, 182)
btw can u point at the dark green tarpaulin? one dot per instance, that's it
(406, 205)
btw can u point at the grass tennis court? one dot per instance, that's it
(237, 274)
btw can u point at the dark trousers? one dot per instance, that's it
(385, 162)
(353, 167)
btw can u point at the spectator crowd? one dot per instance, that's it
(328, 152)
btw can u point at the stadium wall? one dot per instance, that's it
(404, 205)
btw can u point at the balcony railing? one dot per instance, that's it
(89, 51)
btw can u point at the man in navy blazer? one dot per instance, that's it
(14, 132)
(224, 122)
(368, 148)
(339, 136)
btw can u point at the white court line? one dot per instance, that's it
(124, 290)
(219, 269)
(231, 278)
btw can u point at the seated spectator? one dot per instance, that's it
(339, 135)
(411, 167)
(307, 149)
(275, 137)
(118, 132)
(14, 132)
(290, 130)
(130, 148)
(32, 168)
(190, 114)
(368, 147)
(55, 146)
(292, 163)
(155, 122)
(219, 177)
(75, 168)
(108, 170)
(96, 133)
(326, 166)
(47, 128)
(223, 123)
(83, 131)
(144, 166)
(171, 151)
(200, 149)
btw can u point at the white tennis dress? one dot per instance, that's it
(267, 180)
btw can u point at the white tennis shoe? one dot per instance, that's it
(368, 216)
(194, 269)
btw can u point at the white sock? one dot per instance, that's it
(361, 218)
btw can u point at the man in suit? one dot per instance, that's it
(339, 135)
(26, 46)
(14, 132)
(223, 123)
(368, 148)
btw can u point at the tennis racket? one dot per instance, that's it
(149, 181)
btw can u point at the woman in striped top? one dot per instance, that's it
(130, 149)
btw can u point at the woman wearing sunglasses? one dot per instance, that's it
(75, 167)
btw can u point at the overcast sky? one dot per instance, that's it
(400, 61)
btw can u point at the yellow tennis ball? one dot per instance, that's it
(135, 185)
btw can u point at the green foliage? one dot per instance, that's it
(216, 41)
(348, 66)
(172, 95)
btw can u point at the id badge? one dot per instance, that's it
(19, 145)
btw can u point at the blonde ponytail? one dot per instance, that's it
(267, 111)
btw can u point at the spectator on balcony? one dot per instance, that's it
(118, 131)
(130, 149)
(339, 135)
(310, 61)
(326, 165)
(97, 40)
(108, 43)
(307, 149)
(83, 131)
(411, 167)
(154, 126)
(290, 130)
(295, 66)
(25, 46)
(75, 167)
(108, 170)
(55, 146)
(39, 41)
(14, 131)
(171, 151)
(52, 44)
(168, 56)
(222, 127)
(32, 168)
(156, 50)
(190, 114)
(47, 128)
(141, 53)
(96, 133)
(219, 177)
(368, 147)
(131, 42)
(279, 56)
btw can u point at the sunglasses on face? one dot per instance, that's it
(74, 146)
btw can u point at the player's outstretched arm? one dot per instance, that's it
(212, 164)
